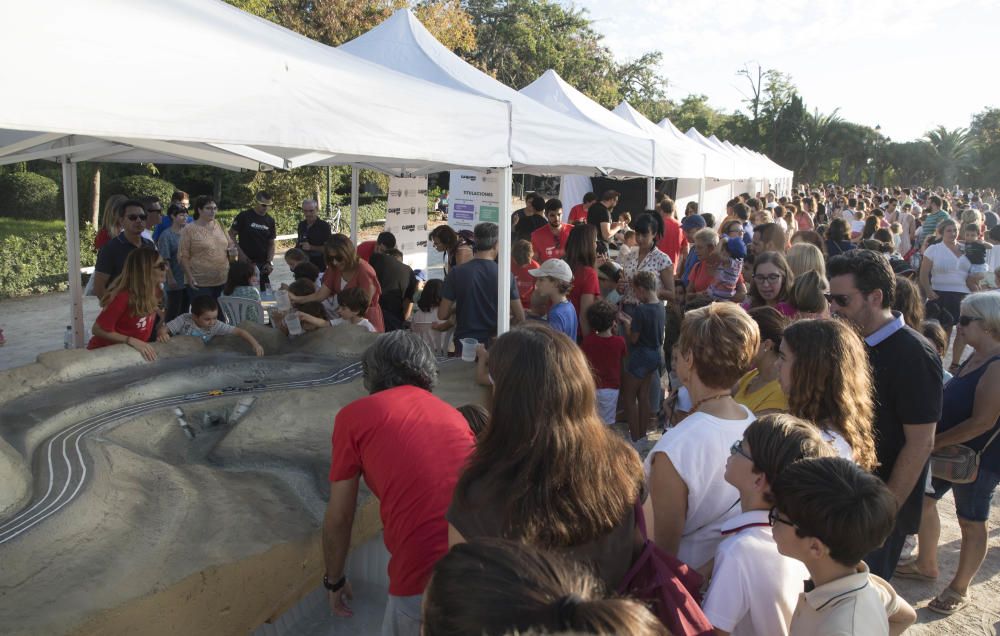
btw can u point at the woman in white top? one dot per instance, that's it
(689, 494)
(943, 272)
(823, 370)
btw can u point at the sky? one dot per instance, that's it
(906, 66)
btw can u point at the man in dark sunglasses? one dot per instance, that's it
(111, 258)
(908, 382)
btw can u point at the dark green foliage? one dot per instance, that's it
(28, 195)
(138, 186)
(36, 262)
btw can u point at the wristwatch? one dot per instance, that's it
(333, 587)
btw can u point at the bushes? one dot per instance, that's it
(138, 186)
(40, 265)
(28, 195)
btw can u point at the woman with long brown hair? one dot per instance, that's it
(128, 308)
(547, 471)
(909, 302)
(824, 372)
(581, 255)
(110, 220)
(344, 269)
(771, 284)
(457, 246)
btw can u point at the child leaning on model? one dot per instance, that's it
(203, 322)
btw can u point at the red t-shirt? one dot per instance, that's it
(544, 243)
(116, 317)
(701, 277)
(584, 282)
(365, 250)
(410, 447)
(525, 281)
(605, 356)
(673, 239)
(101, 239)
(578, 213)
(364, 277)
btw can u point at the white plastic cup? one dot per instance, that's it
(469, 349)
(282, 303)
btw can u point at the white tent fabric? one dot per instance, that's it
(269, 98)
(669, 160)
(542, 141)
(240, 81)
(714, 164)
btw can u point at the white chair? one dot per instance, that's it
(236, 309)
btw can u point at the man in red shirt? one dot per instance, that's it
(578, 213)
(410, 446)
(673, 241)
(550, 241)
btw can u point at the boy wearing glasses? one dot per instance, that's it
(111, 258)
(754, 588)
(829, 514)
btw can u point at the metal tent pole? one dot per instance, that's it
(503, 257)
(354, 205)
(71, 205)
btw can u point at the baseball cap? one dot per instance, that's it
(693, 222)
(554, 268)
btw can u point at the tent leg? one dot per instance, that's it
(354, 205)
(701, 185)
(71, 205)
(650, 193)
(503, 257)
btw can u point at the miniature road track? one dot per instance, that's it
(64, 462)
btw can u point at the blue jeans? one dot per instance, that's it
(972, 501)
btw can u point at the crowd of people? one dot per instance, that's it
(790, 349)
(808, 425)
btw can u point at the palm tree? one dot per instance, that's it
(816, 133)
(953, 150)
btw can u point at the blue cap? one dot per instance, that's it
(693, 222)
(420, 274)
(736, 247)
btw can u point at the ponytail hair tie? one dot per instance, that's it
(566, 610)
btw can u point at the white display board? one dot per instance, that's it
(406, 217)
(473, 197)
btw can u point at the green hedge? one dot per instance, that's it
(138, 186)
(40, 262)
(27, 195)
(286, 221)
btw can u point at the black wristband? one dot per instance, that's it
(333, 587)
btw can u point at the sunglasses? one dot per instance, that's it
(134, 217)
(843, 300)
(737, 449)
(773, 517)
(965, 320)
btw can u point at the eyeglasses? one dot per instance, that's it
(774, 517)
(965, 320)
(770, 279)
(135, 217)
(842, 300)
(161, 266)
(737, 449)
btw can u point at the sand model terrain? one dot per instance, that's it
(182, 496)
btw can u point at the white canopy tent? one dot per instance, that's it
(669, 160)
(542, 140)
(271, 97)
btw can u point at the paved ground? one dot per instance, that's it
(36, 324)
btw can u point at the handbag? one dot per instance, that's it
(958, 463)
(667, 586)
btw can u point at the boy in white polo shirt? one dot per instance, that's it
(754, 589)
(829, 515)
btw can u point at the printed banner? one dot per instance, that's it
(406, 217)
(473, 197)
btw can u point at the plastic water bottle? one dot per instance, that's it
(282, 302)
(68, 338)
(293, 323)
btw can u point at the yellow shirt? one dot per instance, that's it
(766, 398)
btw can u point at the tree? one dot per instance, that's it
(694, 112)
(953, 151)
(985, 132)
(815, 135)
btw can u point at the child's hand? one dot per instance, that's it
(258, 350)
(162, 335)
(624, 318)
(146, 349)
(481, 353)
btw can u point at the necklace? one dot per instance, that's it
(708, 399)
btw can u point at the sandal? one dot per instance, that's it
(948, 602)
(909, 571)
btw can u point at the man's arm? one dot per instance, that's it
(912, 457)
(517, 312)
(100, 284)
(444, 309)
(337, 525)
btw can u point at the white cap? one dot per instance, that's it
(554, 268)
